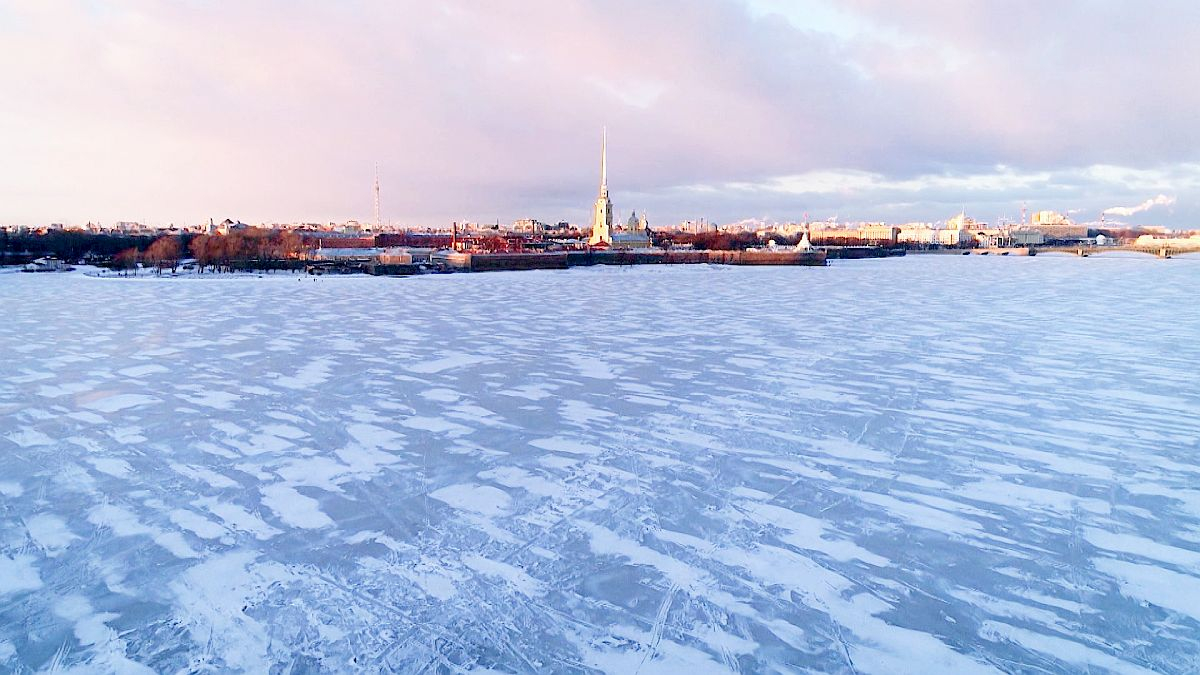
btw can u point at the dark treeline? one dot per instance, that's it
(717, 241)
(248, 249)
(1119, 233)
(67, 245)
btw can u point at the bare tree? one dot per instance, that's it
(201, 249)
(126, 260)
(164, 252)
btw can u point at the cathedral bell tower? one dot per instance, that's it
(602, 215)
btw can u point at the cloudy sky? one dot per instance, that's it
(278, 110)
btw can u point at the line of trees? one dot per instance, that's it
(251, 248)
(163, 253)
(166, 252)
(715, 241)
(126, 261)
(248, 249)
(70, 246)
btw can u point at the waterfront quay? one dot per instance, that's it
(460, 261)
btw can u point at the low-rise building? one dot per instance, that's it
(916, 233)
(46, 264)
(879, 233)
(345, 254)
(1026, 237)
(405, 255)
(1067, 231)
(830, 234)
(954, 237)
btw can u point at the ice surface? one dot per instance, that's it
(921, 465)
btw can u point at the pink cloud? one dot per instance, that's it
(279, 110)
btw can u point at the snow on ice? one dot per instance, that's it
(931, 464)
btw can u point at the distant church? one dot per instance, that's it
(635, 234)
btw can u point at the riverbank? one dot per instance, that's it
(1015, 251)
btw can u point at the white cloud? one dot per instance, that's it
(1160, 200)
(850, 182)
(995, 193)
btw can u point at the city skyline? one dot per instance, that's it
(722, 110)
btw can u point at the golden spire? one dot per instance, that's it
(604, 165)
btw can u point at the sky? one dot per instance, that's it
(279, 110)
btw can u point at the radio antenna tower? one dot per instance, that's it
(377, 222)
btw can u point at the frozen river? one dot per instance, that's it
(930, 464)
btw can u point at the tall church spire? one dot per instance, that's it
(604, 165)
(602, 216)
